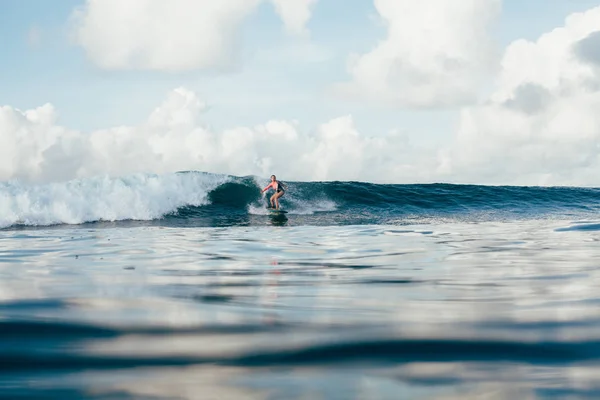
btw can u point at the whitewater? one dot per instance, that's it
(182, 285)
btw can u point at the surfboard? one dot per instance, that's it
(276, 211)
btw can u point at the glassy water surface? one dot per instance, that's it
(499, 310)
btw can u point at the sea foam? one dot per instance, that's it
(134, 197)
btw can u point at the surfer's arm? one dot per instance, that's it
(267, 188)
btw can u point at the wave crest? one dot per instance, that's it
(202, 199)
(135, 197)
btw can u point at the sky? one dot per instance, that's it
(390, 91)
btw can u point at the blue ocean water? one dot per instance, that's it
(183, 286)
(195, 199)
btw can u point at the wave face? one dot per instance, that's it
(202, 199)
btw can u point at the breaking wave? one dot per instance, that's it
(203, 199)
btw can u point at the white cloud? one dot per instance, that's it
(170, 35)
(437, 53)
(34, 148)
(175, 35)
(541, 125)
(295, 14)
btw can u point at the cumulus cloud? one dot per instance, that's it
(436, 53)
(175, 35)
(160, 35)
(541, 125)
(294, 14)
(34, 148)
(588, 49)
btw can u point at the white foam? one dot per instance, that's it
(257, 210)
(307, 207)
(137, 197)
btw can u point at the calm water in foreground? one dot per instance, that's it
(493, 310)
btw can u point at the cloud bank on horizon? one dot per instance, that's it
(173, 139)
(538, 125)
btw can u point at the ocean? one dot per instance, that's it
(183, 286)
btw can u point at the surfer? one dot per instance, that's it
(278, 187)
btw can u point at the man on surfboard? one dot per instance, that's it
(278, 188)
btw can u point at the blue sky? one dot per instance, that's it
(277, 77)
(87, 98)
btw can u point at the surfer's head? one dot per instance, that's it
(273, 177)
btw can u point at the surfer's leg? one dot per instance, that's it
(277, 196)
(273, 200)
